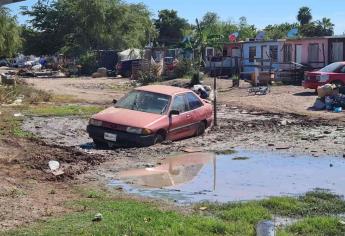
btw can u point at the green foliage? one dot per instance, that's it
(88, 62)
(10, 41)
(183, 67)
(170, 27)
(75, 26)
(304, 15)
(316, 226)
(279, 31)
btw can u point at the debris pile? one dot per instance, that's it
(329, 98)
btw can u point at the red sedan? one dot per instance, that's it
(149, 115)
(331, 74)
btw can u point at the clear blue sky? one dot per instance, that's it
(260, 13)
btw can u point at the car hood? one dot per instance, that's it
(128, 117)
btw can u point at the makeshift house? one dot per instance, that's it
(262, 55)
(309, 51)
(130, 54)
(336, 45)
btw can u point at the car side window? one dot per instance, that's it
(342, 70)
(193, 101)
(179, 104)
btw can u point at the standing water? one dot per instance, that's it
(237, 177)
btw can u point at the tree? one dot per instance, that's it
(74, 27)
(10, 40)
(209, 19)
(327, 26)
(304, 15)
(170, 27)
(279, 31)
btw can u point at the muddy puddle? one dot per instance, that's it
(241, 176)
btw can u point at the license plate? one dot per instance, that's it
(110, 137)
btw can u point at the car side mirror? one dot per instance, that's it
(174, 113)
(114, 101)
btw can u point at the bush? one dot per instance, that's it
(88, 62)
(183, 68)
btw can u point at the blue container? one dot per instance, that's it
(338, 109)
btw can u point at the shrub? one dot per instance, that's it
(88, 62)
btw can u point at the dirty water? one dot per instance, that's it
(241, 176)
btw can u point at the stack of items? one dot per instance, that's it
(329, 98)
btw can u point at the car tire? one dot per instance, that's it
(158, 139)
(201, 129)
(99, 144)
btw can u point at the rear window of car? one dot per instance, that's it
(193, 101)
(334, 67)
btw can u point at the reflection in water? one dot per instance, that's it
(192, 177)
(171, 172)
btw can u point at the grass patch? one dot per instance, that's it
(65, 110)
(317, 203)
(12, 126)
(225, 152)
(31, 96)
(240, 158)
(127, 217)
(315, 226)
(130, 217)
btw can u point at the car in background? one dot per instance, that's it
(150, 115)
(124, 68)
(331, 74)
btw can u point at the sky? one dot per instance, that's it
(259, 13)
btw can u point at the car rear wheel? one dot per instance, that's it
(201, 129)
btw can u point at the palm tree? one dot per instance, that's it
(304, 15)
(327, 26)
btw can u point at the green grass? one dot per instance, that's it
(130, 217)
(315, 203)
(65, 110)
(127, 217)
(10, 125)
(225, 152)
(315, 226)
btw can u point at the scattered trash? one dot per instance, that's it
(262, 90)
(202, 208)
(326, 90)
(55, 168)
(319, 105)
(338, 109)
(147, 220)
(98, 217)
(18, 115)
(101, 72)
(192, 150)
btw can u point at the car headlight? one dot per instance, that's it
(138, 131)
(95, 122)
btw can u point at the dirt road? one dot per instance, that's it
(278, 122)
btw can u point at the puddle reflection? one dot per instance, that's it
(202, 176)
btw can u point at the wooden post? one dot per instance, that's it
(215, 123)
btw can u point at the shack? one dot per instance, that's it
(336, 50)
(262, 55)
(309, 51)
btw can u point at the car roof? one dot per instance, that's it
(163, 89)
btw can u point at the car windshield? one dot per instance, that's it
(144, 101)
(332, 67)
